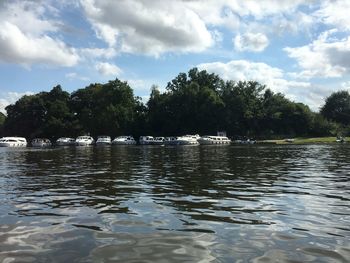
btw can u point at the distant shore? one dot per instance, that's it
(316, 140)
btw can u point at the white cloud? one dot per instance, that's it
(346, 85)
(260, 9)
(28, 16)
(156, 27)
(274, 78)
(139, 85)
(326, 56)
(148, 27)
(244, 70)
(335, 13)
(106, 69)
(16, 47)
(24, 36)
(11, 97)
(220, 12)
(98, 52)
(251, 42)
(74, 75)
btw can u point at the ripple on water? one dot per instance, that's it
(175, 204)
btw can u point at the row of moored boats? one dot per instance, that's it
(121, 140)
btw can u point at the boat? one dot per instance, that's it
(65, 141)
(84, 141)
(211, 140)
(188, 140)
(124, 140)
(13, 142)
(289, 140)
(103, 140)
(146, 140)
(170, 141)
(40, 142)
(340, 140)
(158, 141)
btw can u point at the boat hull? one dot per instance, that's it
(83, 143)
(207, 142)
(12, 144)
(187, 142)
(65, 143)
(103, 143)
(39, 144)
(124, 143)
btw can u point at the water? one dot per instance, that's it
(175, 204)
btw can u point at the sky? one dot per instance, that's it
(298, 47)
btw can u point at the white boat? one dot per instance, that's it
(289, 140)
(103, 140)
(158, 141)
(146, 140)
(13, 142)
(40, 142)
(210, 140)
(124, 140)
(84, 140)
(65, 141)
(170, 141)
(340, 139)
(188, 140)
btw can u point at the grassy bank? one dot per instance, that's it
(306, 140)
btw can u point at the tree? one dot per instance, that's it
(193, 102)
(26, 117)
(2, 121)
(109, 108)
(45, 114)
(190, 104)
(337, 107)
(243, 106)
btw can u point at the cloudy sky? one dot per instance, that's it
(298, 47)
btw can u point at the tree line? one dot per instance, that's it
(193, 102)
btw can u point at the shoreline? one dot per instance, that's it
(302, 140)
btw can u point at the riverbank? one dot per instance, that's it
(317, 140)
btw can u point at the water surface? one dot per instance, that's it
(175, 204)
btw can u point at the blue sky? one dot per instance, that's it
(298, 47)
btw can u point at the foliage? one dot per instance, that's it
(43, 114)
(108, 109)
(193, 102)
(337, 107)
(2, 121)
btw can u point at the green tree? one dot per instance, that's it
(190, 104)
(337, 107)
(59, 119)
(26, 117)
(45, 114)
(2, 121)
(243, 106)
(109, 108)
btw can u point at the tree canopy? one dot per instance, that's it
(337, 107)
(193, 102)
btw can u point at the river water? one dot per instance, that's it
(175, 204)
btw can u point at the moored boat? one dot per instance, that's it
(103, 140)
(188, 140)
(124, 140)
(170, 141)
(158, 141)
(65, 141)
(214, 140)
(84, 140)
(13, 142)
(146, 140)
(40, 142)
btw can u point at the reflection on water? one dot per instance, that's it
(175, 204)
